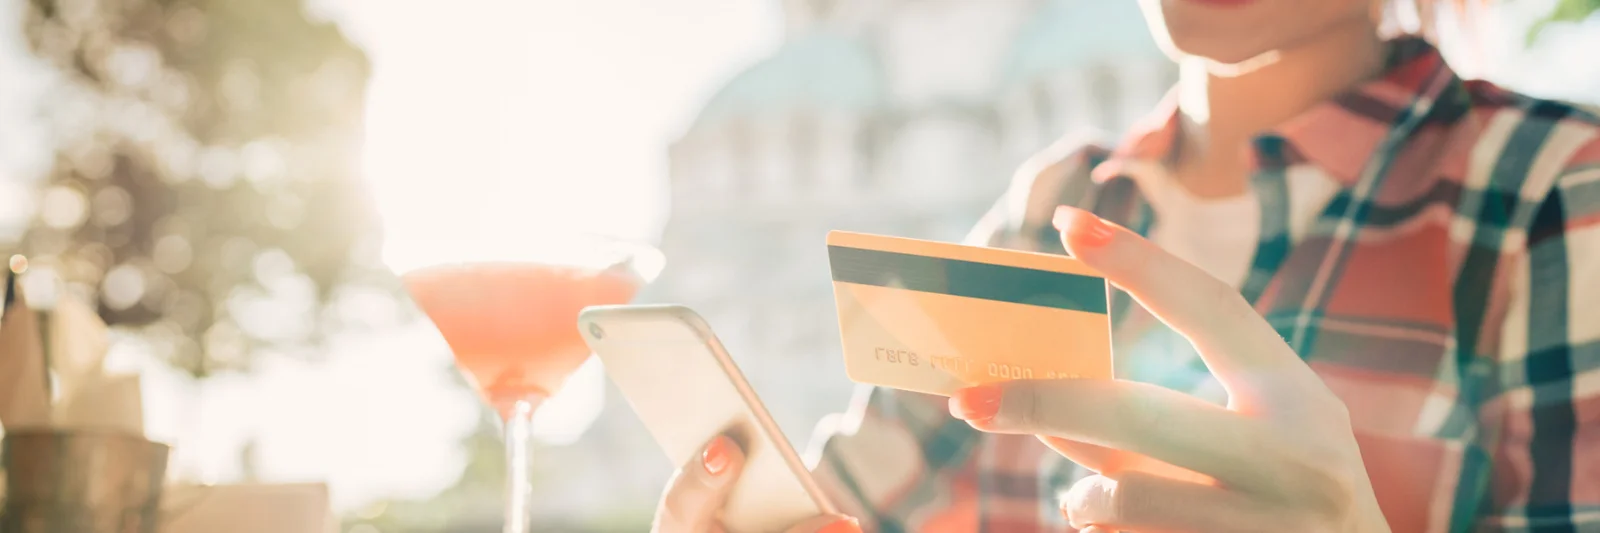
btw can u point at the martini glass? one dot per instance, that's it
(511, 320)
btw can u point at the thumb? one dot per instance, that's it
(698, 489)
(827, 524)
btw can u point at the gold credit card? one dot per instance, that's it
(934, 317)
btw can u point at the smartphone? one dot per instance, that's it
(687, 390)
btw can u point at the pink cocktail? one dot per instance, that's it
(513, 328)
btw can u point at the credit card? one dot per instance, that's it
(934, 317)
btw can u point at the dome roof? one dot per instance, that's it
(1071, 33)
(821, 69)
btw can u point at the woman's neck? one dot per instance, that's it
(1223, 107)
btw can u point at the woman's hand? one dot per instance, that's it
(695, 495)
(1280, 457)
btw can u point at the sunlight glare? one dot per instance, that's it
(500, 124)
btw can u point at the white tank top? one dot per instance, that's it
(1220, 235)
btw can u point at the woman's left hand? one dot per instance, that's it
(1280, 457)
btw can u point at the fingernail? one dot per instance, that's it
(975, 403)
(716, 457)
(1082, 227)
(842, 525)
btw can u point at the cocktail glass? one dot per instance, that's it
(511, 320)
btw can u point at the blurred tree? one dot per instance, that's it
(206, 190)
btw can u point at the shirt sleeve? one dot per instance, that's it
(1546, 474)
(897, 460)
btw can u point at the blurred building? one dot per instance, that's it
(903, 117)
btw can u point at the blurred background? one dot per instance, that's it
(232, 182)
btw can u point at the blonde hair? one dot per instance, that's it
(1426, 19)
(1423, 17)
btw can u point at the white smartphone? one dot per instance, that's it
(686, 389)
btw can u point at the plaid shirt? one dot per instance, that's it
(1448, 292)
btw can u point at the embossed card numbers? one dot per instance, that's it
(933, 317)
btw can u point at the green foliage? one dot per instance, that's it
(206, 170)
(1565, 11)
(1575, 10)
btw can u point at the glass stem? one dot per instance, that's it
(519, 490)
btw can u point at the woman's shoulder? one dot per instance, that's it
(1056, 175)
(1487, 96)
(1517, 123)
(1556, 142)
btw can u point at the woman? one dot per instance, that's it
(1389, 277)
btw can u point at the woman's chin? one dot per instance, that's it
(1220, 52)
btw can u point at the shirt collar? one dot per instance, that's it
(1338, 135)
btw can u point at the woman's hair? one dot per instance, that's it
(1458, 21)
(1425, 17)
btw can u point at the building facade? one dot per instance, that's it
(902, 117)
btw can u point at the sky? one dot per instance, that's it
(531, 115)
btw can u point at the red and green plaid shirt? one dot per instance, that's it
(1449, 292)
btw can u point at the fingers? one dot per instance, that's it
(698, 489)
(1142, 502)
(1246, 354)
(827, 524)
(1111, 462)
(1144, 419)
(1100, 459)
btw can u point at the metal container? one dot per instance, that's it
(82, 481)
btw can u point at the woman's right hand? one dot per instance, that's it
(698, 489)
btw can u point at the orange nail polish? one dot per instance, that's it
(715, 457)
(843, 525)
(1082, 227)
(976, 403)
